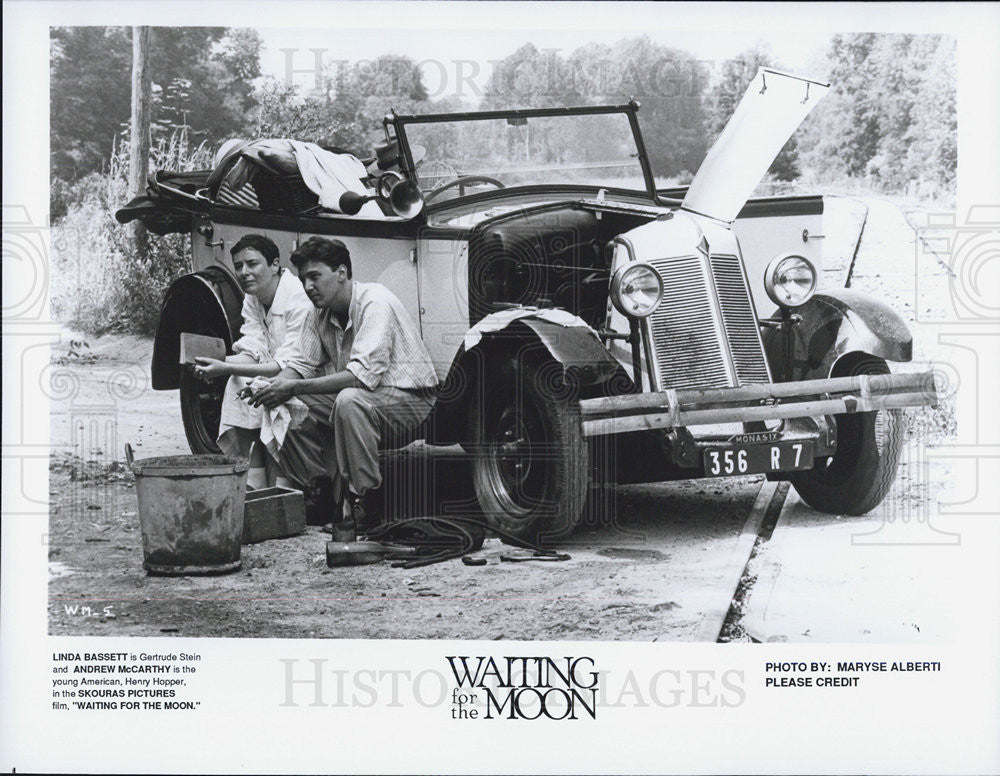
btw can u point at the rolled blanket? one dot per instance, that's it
(326, 174)
(329, 175)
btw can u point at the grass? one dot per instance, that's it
(100, 281)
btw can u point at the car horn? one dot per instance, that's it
(399, 192)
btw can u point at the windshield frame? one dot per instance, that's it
(399, 122)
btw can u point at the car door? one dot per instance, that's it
(381, 252)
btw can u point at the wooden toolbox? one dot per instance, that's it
(273, 513)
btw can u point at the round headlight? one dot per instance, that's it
(790, 280)
(636, 290)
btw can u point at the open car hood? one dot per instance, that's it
(774, 105)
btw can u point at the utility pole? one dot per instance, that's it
(138, 159)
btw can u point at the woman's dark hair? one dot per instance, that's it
(333, 253)
(263, 245)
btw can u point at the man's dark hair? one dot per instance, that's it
(263, 245)
(333, 253)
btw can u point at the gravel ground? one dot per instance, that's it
(823, 578)
(641, 573)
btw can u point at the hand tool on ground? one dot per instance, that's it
(547, 555)
(362, 553)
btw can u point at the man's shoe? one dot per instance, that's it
(368, 510)
(321, 506)
(344, 531)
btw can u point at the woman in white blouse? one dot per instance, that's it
(274, 309)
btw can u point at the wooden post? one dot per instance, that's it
(138, 160)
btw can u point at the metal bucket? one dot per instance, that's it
(191, 512)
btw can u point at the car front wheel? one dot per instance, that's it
(530, 463)
(201, 409)
(857, 477)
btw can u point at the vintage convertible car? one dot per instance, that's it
(585, 325)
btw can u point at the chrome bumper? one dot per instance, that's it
(807, 398)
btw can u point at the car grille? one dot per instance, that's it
(740, 320)
(698, 343)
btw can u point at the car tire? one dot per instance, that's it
(858, 476)
(201, 409)
(530, 465)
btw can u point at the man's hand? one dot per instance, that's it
(210, 368)
(278, 391)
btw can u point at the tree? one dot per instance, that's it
(348, 112)
(280, 111)
(914, 106)
(238, 63)
(530, 78)
(668, 83)
(932, 137)
(90, 91)
(890, 116)
(362, 94)
(854, 81)
(215, 67)
(201, 75)
(139, 124)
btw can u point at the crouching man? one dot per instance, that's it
(365, 375)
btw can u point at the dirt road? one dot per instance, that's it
(644, 577)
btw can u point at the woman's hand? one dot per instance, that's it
(210, 368)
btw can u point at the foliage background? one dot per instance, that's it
(888, 125)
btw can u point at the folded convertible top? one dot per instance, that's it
(171, 199)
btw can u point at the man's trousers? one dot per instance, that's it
(343, 433)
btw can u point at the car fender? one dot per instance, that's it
(208, 302)
(572, 358)
(835, 324)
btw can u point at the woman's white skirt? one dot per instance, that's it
(238, 414)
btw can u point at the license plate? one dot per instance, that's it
(758, 459)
